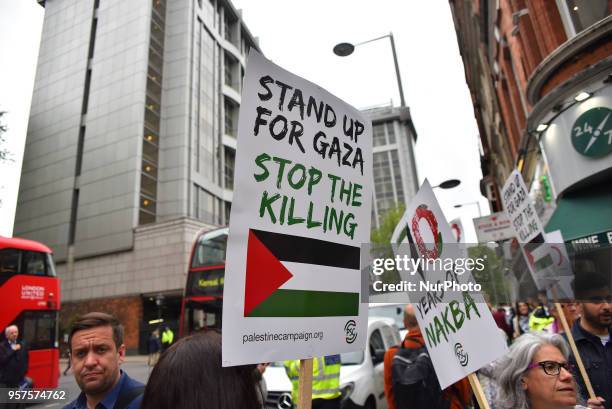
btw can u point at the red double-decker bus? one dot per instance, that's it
(30, 294)
(203, 296)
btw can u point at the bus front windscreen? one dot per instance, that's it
(210, 249)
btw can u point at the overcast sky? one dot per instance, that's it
(20, 28)
(299, 36)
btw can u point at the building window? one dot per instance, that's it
(207, 207)
(390, 132)
(383, 182)
(578, 15)
(228, 211)
(397, 176)
(150, 143)
(379, 135)
(230, 119)
(230, 158)
(231, 69)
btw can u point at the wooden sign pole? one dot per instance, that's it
(570, 338)
(305, 384)
(478, 391)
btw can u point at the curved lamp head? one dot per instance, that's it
(344, 49)
(458, 205)
(450, 183)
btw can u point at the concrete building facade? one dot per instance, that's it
(131, 143)
(394, 166)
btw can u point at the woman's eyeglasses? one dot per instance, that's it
(553, 368)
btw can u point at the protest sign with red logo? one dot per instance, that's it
(459, 331)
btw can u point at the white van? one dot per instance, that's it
(361, 374)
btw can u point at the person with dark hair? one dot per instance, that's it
(96, 354)
(189, 376)
(520, 322)
(591, 332)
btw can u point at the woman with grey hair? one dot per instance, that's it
(535, 374)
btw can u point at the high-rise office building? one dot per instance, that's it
(394, 167)
(130, 147)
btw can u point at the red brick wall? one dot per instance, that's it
(579, 62)
(547, 24)
(127, 309)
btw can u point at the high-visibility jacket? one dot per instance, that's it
(325, 377)
(540, 322)
(167, 336)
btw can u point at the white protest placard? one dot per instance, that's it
(551, 268)
(301, 209)
(494, 227)
(519, 209)
(459, 331)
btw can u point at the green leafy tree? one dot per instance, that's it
(491, 277)
(380, 239)
(388, 221)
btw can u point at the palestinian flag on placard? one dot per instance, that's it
(314, 275)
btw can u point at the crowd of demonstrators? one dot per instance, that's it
(539, 371)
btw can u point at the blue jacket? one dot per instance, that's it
(124, 385)
(597, 360)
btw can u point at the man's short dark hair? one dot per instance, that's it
(586, 282)
(97, 319)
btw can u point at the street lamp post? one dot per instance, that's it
(345, 49)
(477, 203)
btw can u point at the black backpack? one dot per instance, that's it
(415, 384)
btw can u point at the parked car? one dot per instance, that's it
(390, 310)
(361, 374)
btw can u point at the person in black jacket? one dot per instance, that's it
(13, 359)
(591, 333)
(13, 362)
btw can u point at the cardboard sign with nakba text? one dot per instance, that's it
(301, 209)
(459, 331)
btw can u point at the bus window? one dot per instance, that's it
(35, 263)
(10, 260)
(210, 249)
(39, 329)
(201, 315)
(50, 266)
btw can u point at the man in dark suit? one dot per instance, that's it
(96, 353)
(13, 361)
